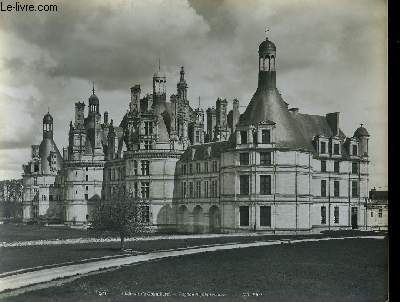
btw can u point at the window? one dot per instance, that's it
(148, 145)
(206, 189)
(190, 168)
(184, 189)
(87, 188)
(372, 214)
(190, 189)
(265, 158)
(215, 166)
(323, 148)
(244, 159)
(206, 167)
(336, 188)
(354, 150)
(243, 137)
(198, 189)
(184, 169)
(336, 215)
(354, 168)
(336, 166)
(244, 184)
(380, 212)
(244, 215)
(145, 167)
(136, 189)
(145, 189)
(323, 215)
(145, 211)
(197, 136)
(148, 128)
(87, 177)
(36, 167)
(323, 188)
(323, 165)
(35, 181)
(214, 188)
(266, 136)
(198, 168)
(265, 216)
(43, 197)
(336, 149)
(265, 184)
(86, 196)
(50, 197)
(354, 189)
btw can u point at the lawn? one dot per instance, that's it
(338, 270)
(22, 232)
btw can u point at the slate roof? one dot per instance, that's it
(201, 151)
(268, 105)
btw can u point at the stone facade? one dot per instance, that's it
(270, 168)
(39, 175)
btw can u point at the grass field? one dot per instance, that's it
(20, 232)
(339, 270)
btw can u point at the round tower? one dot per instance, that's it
(266, 64)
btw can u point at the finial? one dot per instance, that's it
(159, 64)
(93, 87)
(48, 109)
(199, 102)
(361, 125)
(266, 33)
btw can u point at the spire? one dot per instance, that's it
(266, 33)
(93, 88)
(199, 102)
(159, 64)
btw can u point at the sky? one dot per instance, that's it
(331, 57)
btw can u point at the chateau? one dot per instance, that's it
(271, 168)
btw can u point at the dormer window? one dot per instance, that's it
(354, 150)
(148, 128)
(148, 145)
(323, 148)
(243, 137)
(266, 136)
(336, 149)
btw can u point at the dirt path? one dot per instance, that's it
(19, 280)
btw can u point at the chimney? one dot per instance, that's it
(106, 117)
(236, 114)
(135, 98)
(333, 122)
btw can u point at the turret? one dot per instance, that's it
(159, 87)
(266, 65)
(47, 126)
(363, 136)
(182, 86)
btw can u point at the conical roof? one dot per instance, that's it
(267, 105)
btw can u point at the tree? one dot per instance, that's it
(124, 217)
